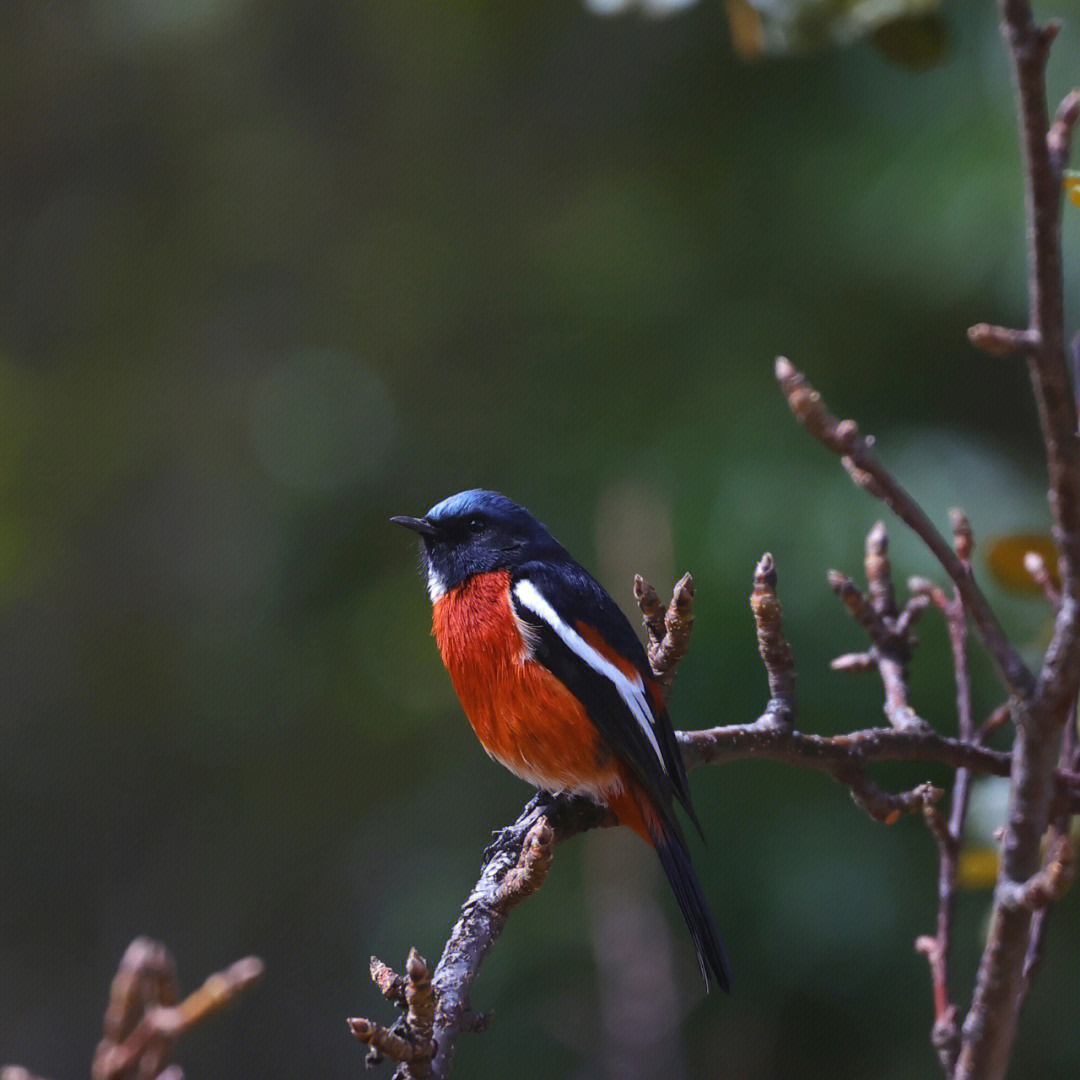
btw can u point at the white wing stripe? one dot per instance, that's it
(632, 693)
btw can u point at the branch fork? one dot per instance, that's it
(668, 629)
(1044, 782)
(888, 628)
(409, 1040)
(1046, 886)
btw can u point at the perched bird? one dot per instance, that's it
(556, 683)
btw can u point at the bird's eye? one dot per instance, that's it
(476, 524)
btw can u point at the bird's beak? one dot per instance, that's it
(417, 525)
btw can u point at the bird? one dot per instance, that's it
(556, 684)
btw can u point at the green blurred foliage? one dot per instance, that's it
(272, 272)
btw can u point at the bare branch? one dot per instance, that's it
(1047, 885)
(1036, 566)
(773, 646)
(762, 740)
(888, 629)
(1000, 341)
(391, 985)
(843, 757)
(882, 805)
(989, 1029)
(143, 1021)
(484, 913)
(669, 631)
(945, 1036)
(842, 437)
(1059, 137)
(408, 1041)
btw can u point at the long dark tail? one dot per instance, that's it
(675, 860)
(635, 810)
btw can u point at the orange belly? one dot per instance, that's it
(522, 714)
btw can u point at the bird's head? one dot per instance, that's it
(475, 532)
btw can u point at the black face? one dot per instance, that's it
(470, 544)
(474, 533)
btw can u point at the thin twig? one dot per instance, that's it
(882, 805)
(668, 629)
(945, 1036)
(144, 1022)
(772, 645)
(856, 452)
(888, 628)
(1036, 566)
(1000, 340)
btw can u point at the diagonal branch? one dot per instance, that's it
(857, 455)
(145, 1020)
(145, 1016)
(484, 913)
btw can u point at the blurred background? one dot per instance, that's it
(272, 272)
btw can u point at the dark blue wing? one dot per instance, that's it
(555, 601)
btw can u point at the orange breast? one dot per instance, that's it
(524, 716)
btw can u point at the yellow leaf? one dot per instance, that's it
(977, 868)
(746, 30)
(1072, 187)
(1005, 558)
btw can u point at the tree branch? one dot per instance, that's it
(517, 861)
(856, 452)
(669, 629)
(483, 915)
(145, 1017)
(772, 645)
(945, 1036)
(888, 628)
(760, 740)
(989, 1029)
(409, 1040)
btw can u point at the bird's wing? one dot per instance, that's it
(578, 632)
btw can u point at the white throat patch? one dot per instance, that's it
(436, 587)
